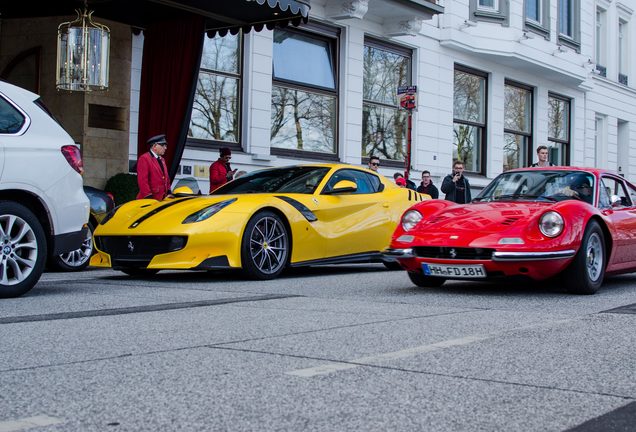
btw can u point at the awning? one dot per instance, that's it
(220, 15)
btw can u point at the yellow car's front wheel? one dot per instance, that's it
(265, 246)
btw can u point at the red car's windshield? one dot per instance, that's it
(540, 185)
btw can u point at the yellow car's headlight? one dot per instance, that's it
(410, 219)
(207, 212)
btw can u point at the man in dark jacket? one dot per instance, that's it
(456, 186)
(427, 185)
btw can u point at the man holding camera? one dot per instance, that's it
(456, 186)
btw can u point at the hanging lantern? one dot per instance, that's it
(82, 54)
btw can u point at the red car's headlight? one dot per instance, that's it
(410, 219)
(551, 224)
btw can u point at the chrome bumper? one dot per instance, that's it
(532, 256)
(393, 254)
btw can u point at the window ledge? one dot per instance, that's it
(569, 42)
(489, 16)
(538, 29)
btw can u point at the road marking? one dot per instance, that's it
(409, 352)
(140, 309)
(29, 422)
(335, 365)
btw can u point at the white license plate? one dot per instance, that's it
(473, 271)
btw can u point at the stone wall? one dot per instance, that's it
(98, 121)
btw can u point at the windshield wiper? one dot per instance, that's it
(523, 196)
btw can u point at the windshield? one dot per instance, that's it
(540, 185)
(297, 179)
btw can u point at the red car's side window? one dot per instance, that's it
(614, 186)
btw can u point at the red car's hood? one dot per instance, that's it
(480, 218)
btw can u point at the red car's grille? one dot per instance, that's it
(453, 253)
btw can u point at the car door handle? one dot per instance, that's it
(385, 205)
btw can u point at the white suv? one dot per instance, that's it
(43, 208)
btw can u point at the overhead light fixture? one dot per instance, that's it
(82, 54)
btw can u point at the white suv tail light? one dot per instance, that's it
(73, 157)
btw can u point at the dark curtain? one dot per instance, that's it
(169, 71)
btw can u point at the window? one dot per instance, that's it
(614, 186)
(569, 12)
(11, 119)
(537, 14)
(559, 129)
(492, 5)
(601, 41)
(469, 117)
(384, 126)
(215, 113)
(622, 52)
(517, 125)
(600, 141)
(305, 92)
(490, 10)
(366, 183)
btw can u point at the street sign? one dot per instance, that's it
(408, 97)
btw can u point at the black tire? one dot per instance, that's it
(139, 272)
(78, 259)
(392, 265)
(23, 249)
(425, 281)
(586, 272)
(265, 247)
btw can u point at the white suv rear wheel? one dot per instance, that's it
(22, 249)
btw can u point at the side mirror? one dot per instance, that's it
(344, 186)
(182, 190)
(616, 201)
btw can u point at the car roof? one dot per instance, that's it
(596, 171)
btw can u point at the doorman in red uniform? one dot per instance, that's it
(152, 172)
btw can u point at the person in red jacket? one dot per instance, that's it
(152, 172)
(220, 171)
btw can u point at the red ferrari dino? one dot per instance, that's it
(535, 223)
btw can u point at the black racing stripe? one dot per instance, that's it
(308, 214)
(410, 197)
(136, 223)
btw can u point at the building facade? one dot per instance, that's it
(495, 79)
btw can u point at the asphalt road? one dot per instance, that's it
(342, 348)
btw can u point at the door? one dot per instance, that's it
(622, 216)
(353, 222)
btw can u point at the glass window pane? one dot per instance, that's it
(222, 53)
(517, 109)
(11, 120)
(303, 120)
(384, 132)
(533, 10)
(467, 146)
(565, 17)
(384, 72)
(558, 119)
(515, 151)
(216, 108)
(303, 59)
(469, 97)
(557, 153)
(487, 3)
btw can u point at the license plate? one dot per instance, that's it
(459, 271)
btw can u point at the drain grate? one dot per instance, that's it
(627, 309)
